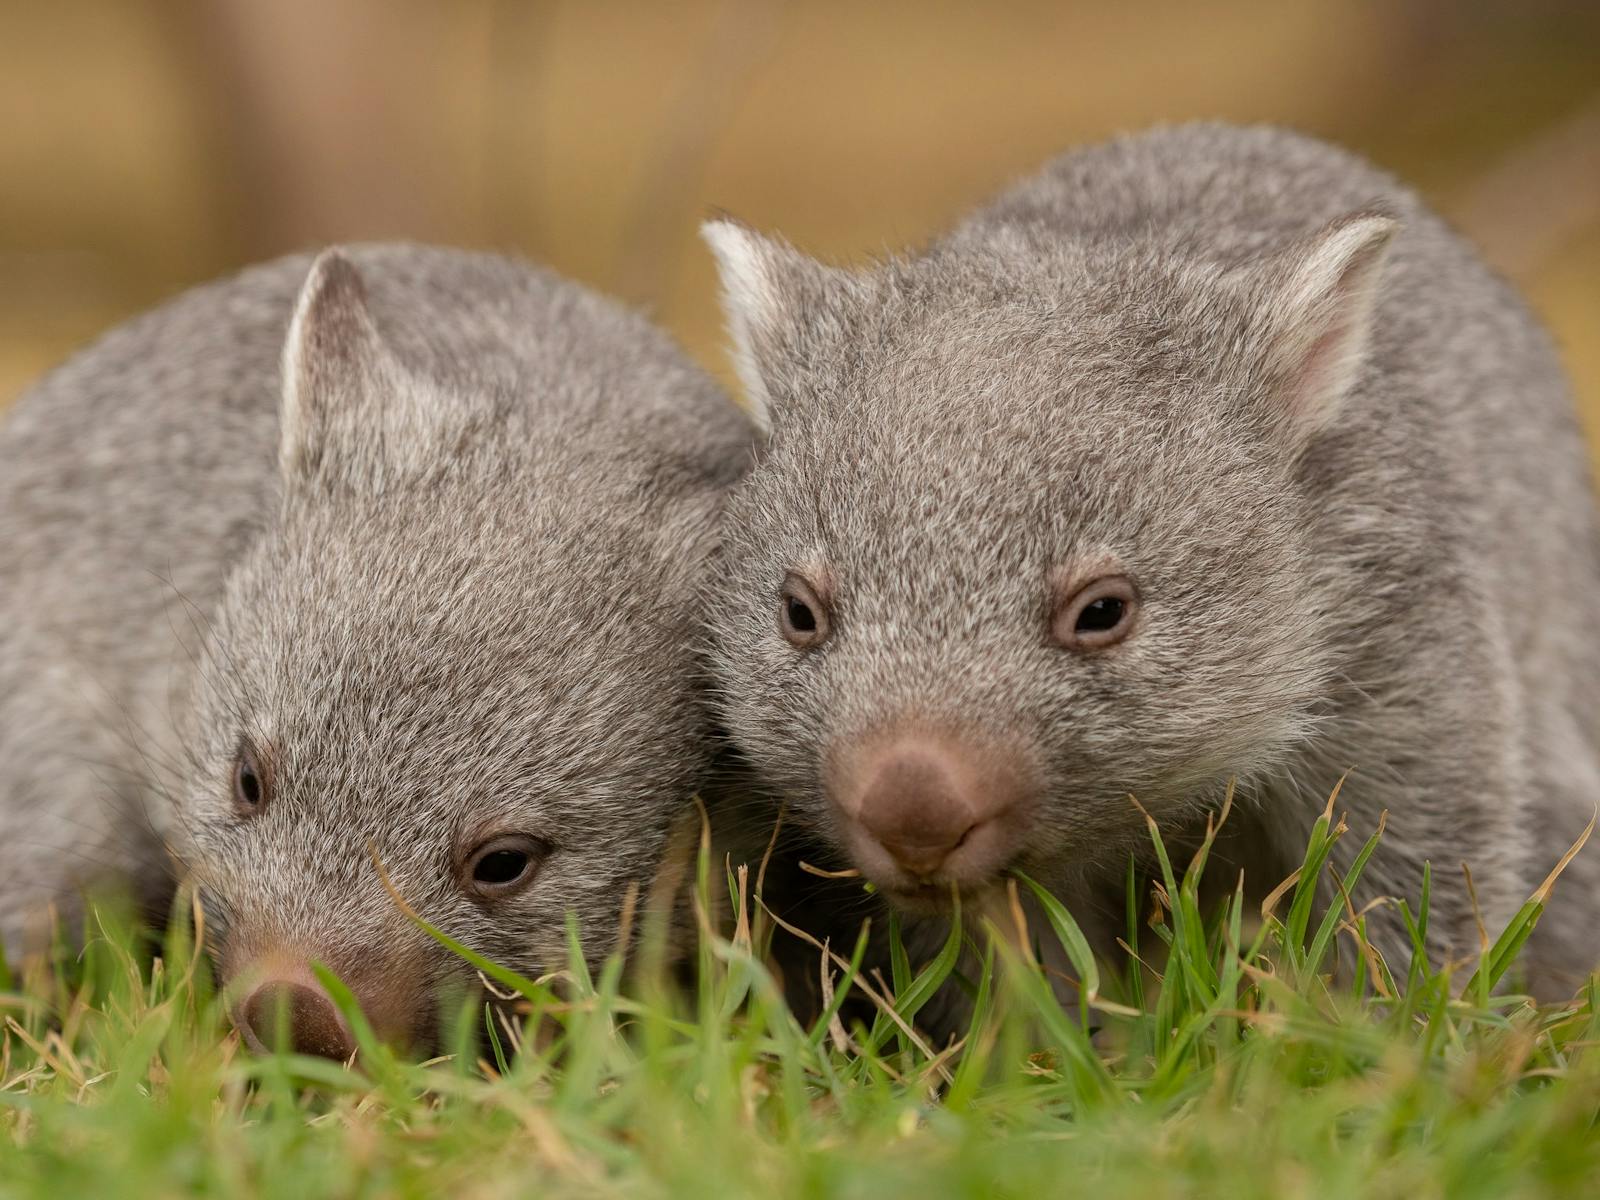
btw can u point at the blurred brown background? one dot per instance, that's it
(149, 144)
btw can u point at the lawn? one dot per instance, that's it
(1271, 1055)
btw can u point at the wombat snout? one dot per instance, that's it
(283, 1004)
(930, 809)
(304, 1017)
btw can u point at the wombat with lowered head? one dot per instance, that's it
(1204, 455)
(405, 571)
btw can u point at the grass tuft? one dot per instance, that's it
(1225, 1056)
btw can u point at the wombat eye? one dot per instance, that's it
(249, 783)
(1097, 615)
(503, 865)
(802, 617)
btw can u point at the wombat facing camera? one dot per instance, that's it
(1204, 455)
(435, 609)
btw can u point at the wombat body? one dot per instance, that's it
(1205, 455)
(417, 589)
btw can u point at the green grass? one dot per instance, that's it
(1248, 1068)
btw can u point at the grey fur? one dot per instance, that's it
(1393, 570)
(468, 602)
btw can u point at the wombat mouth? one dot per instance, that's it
(941, 899)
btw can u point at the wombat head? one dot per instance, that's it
(461, 650)
(1028, 536)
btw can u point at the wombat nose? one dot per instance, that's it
(932, 804)
(916, 811)
(299, 1017)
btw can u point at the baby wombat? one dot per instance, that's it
(434, 609)
(1204, 455)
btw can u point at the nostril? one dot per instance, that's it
(921, 856)
(296, 1017)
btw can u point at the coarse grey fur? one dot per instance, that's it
(454, 593)
(1384, 562)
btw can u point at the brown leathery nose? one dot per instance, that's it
(278, 986)
(931, 806)
(310, 1023)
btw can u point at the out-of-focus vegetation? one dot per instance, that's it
(146, 145)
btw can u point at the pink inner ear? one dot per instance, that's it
(1328, 368)
(1330, 306)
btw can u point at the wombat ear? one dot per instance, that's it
(333, 363)
(1321, 312)
(769, 290)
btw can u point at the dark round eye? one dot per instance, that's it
(503, 865)
(802, 617)
(1097, 615)
(249, 783)
(1101, 615)
(500, 867)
